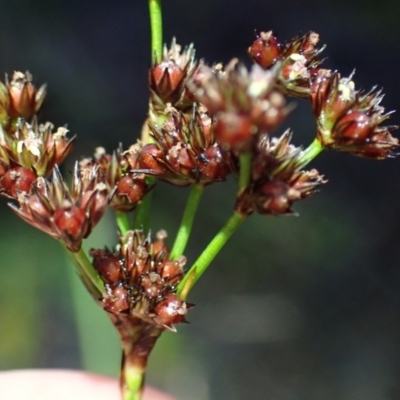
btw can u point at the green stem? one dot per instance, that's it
(156, 30)
(310, 153)
(208, 255)
(185, 228)
(87, 273)
(142, 213)
(123, 222)
(245, 170)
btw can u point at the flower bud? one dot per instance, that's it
(170, 311)
(18, 179)
(265, 50)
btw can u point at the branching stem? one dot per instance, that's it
(208, 255)
(87, 273)
(185, 228)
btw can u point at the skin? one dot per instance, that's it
(63, 385)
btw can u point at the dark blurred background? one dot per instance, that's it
(295, 307)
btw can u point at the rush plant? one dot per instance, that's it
(204, 123)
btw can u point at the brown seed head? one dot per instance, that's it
(63, 214)
(168, 79)
(140, 280)
(185, 152)
(25, 98)
(277, 180)
(349, 120)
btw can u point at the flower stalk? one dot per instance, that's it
(312, 151)
(86, 272)
(123, 222)
(182, 237)
(208, 255)
(138, 339)
(156, 29)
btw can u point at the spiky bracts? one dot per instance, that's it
(33, 148)
(140, 283)
(117, 171)
(347, 120)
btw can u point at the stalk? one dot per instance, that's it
(156, 30)
(123, 222)
(143, 210)
(87, 273)
(208, 255)
(185, 228)
(311, 152)
(245, 170)
(138, 338)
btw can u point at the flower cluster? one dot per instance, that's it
(297, 58)
(349, 120)
(140, 280)
(65, 215)
(185, 151)
(244, 103)
(117, 172)
(168, 79)
(19, 99)
(277, 179)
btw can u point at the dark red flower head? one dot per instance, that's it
(185, 151)
(141, 280)
(350, 120)
(65, 215)
(168, 79)
(277, 178)
(244, 103)
(297, 58)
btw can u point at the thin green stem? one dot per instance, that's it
(245, 170)
(185, 228)
(311, 152)
(156, 30)
(208, 255)
(133, 381)
(87, 273)
(123, 222)
(142, 213)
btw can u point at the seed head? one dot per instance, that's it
(297, 58)
(185, 151)
(141, 280)
(168, 79)
(349, 120)
(65, 215)
(117, 174)
(19, 98)
(277, 179)
(244, 103)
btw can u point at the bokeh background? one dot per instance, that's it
(294, 308)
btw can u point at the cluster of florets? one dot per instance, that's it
(140, 280)
(30, 154)
(347, 120)
(274, 192)
(241, 109)
(202, 120)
